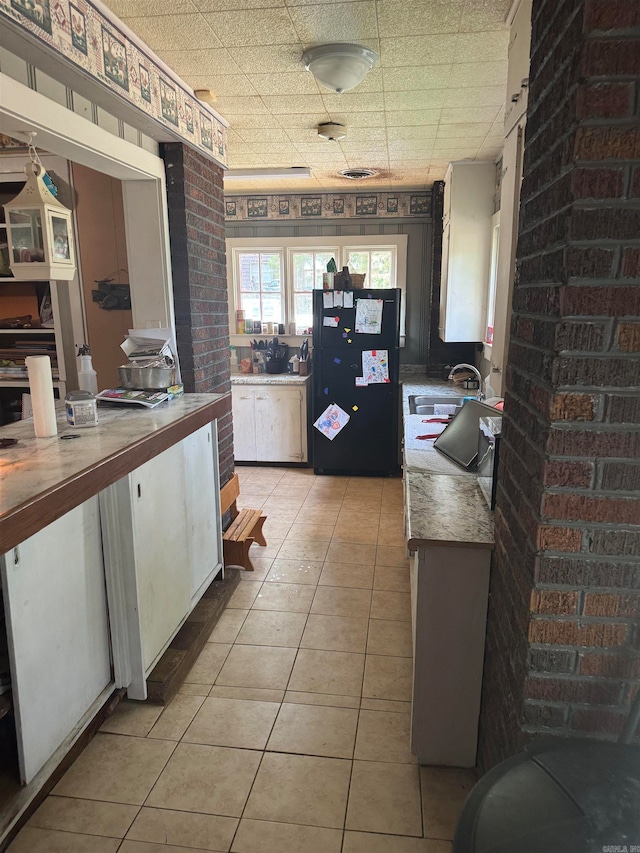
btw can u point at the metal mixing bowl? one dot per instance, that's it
(146, 378)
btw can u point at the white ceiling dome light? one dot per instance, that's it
(332, 131)
(339, 67)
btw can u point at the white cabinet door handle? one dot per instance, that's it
(262, 398)
(248, 397)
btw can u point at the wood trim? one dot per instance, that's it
(28, 518)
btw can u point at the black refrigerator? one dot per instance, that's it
(355, 382)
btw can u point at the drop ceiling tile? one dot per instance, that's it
(130, 8)
(489, 151)
(402, 18)
(406, 163)
(278, 152)
(226, 5)
(174, 32)
(418, 50)
(272, 59)
(264, 135)
(307, 137)
(366, 135)
(482, 96)
(240, 121)
(292, 83)
(372, 119)
(458, 142)
(251, 27)
(485, 15)
(246, 161)
(301, 121)
(406, 79)
(412, 118)
(311, 146)
(335, 22)
(429, 100)
(475, 74)
(249, 105)
(482, 47)
(485, 115)
(223, 84)
(453, 130)
(283, 104)
(205, 62)
(453, 150)
(412, 133)
(354, 102)
(437, 173)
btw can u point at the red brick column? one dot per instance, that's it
(563, 637)
(198, 260)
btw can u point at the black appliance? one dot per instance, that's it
(488, 457)
(368, 444)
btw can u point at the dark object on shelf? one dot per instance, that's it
(112, 297)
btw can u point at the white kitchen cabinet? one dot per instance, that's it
(58, 632)
(270, 423)
(466, 250)
(202, 498)
(518, 67)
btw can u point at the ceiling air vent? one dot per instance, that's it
(357, 174)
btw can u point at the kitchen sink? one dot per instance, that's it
(425, 404)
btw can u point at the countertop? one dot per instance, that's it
(443, 501)
(43, 478)
(269, 379)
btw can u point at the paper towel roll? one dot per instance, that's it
(41, 385)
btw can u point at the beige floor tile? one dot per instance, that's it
(244, 595)
(116, 769)
(391, 605)
(335, 633)
(176, 717)
(310, 531)
(392, 579)
(391, 536)
(272, 628)
(385, 798)
(232, 722)
(327, 672)
(258, 694)
(444, 790)
(294, 571)
(268, 551)
(341, 601)
(284, 515)
(339, 552)
(150, 847)
(300, 789)
(208, 663)
(318, 512)
(331, 700)
(384, 736)
(346, 574)
(312, 550)
(206, 779)
(395, 707)
(392, 555)
(314, 730)
(257, 666)
(275, 528)
(33, 840)
(162, 826)
(360, 534)
(289, 597)
(261, 836)
(365, 842)
(250, 502)
(227, 626)
(84, 816)
(261, 567)
(388, 678)
(188, 689)
(390, 638)
(132, 718)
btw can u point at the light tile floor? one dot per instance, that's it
(291, 732)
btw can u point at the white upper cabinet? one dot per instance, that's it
(466, 250)
(518, 71)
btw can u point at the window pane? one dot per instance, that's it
(249, 273)
(251, 304)
(303, 271)
(381, 268)
(359, 262)
(303, 311)
(270, 267)
(322, 259)
(272, 307)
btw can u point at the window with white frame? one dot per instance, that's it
(493, 278)
(273, 280)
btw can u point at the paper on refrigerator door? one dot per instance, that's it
(347, 299)
(369, 316)
(331, 321)
(327, 299)
(337, 299)
(375, 366)
(332, 421)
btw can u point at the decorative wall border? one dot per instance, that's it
(83, 35)
(262, 206)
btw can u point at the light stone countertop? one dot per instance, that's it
(268, 379)
(444, 504)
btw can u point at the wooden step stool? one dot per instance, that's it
(244, 530)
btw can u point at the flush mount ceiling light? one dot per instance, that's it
(339, 67)
(207, 96)
(266, 174)
(357, 174)
(331, 131)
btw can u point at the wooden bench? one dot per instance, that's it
(244, 530)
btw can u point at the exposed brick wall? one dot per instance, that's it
(198, 259)
(563, 647)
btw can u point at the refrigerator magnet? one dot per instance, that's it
(361, 382)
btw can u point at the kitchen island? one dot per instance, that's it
(108, 540)
(449, 530)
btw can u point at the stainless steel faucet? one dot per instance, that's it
(480, 394)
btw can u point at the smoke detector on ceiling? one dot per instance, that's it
(331, 131)
(357, 174)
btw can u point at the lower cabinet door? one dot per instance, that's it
(279, 424)
(58, 631)
(244, 423)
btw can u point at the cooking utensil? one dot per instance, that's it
(132, 376)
